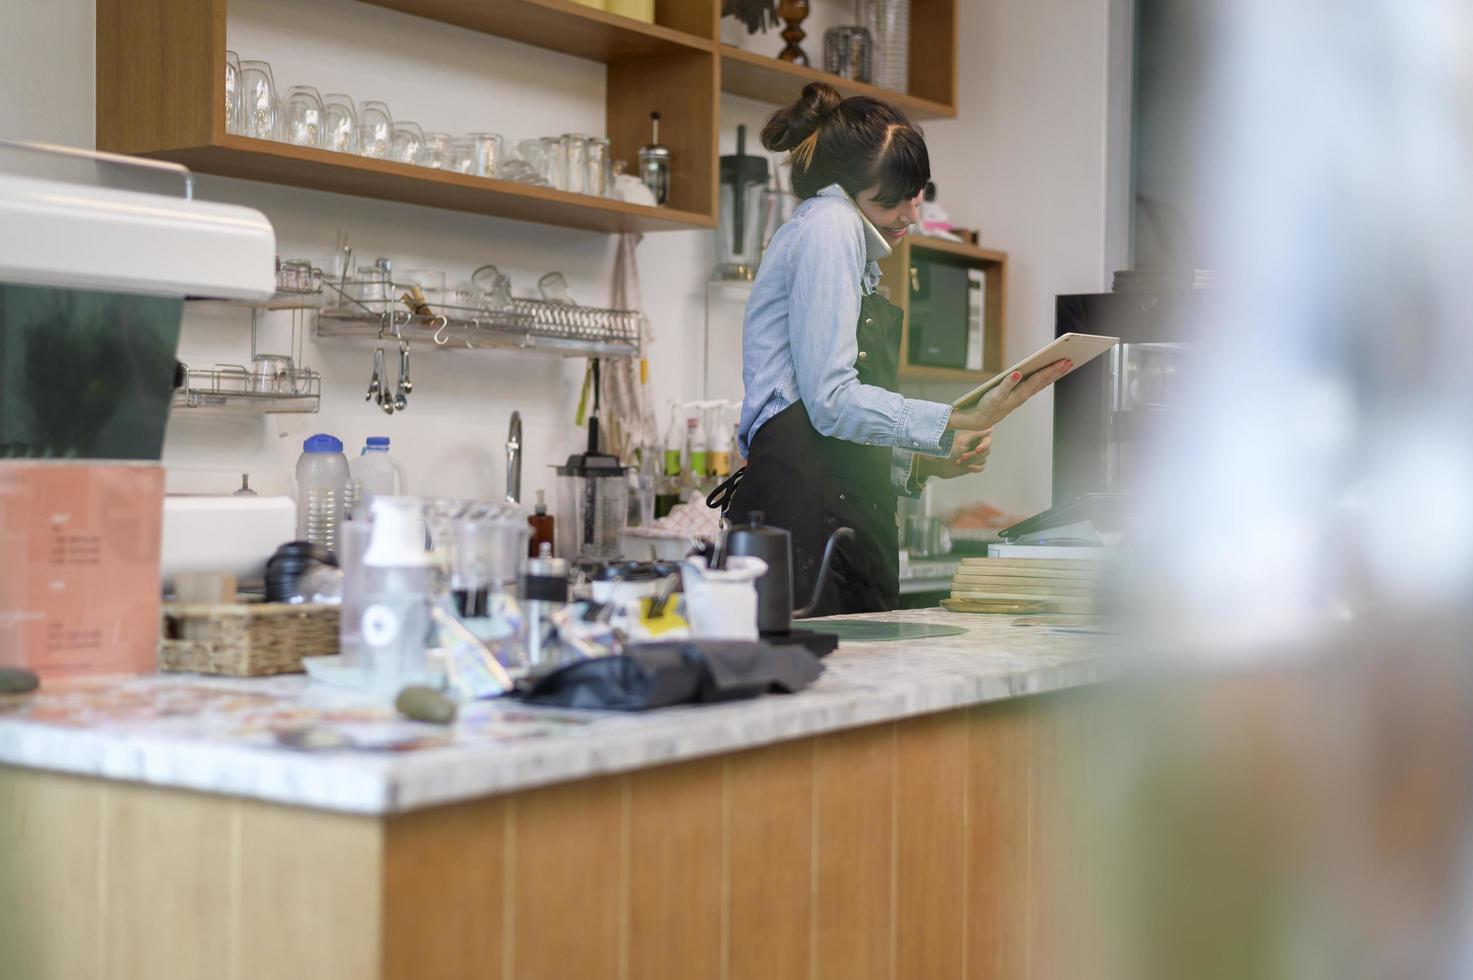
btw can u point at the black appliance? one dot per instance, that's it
(1106, 411)
(947, 298)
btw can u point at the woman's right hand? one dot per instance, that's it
(998, 403)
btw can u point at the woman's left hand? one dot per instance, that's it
(969, 451)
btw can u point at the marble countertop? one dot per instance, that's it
(224, 736)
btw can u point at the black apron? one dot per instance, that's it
(810, 484)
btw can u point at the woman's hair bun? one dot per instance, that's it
(791, 126)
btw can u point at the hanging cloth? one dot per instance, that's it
(628, 410)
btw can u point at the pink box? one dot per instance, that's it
(79, 566)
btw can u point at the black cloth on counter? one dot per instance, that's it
(662, 673)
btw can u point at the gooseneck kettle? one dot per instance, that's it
(774, 545)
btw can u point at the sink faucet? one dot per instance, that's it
(514, 460)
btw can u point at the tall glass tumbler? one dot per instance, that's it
(302, 116)
(889, 27)
(600, 177)
(375, 130)
(486, 154)
(555, 162)
(409, 143)
(232, 92)
(575, 149)
(258, 100)
(437, 151)
(340, 123)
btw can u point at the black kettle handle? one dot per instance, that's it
(823, 571)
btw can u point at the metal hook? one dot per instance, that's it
(441, 341)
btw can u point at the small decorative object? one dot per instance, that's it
(654, 163)
(847, 53)
(756, 15)
(793, 13)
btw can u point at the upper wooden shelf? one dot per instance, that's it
(301, 166)
(766, 79)
(561, 25)
(982, 255)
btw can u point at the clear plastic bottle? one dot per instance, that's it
(374, 473)
(322, 482)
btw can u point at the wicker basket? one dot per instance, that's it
(245, 639)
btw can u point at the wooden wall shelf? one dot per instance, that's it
(562, 25)
(301, 166)
(994, 265)
(756, 76)
(160, 93)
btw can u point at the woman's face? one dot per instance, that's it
(893, 221)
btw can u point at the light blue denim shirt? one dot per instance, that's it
(798, 339)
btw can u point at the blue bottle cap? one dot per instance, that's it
(378, 441)
(323, 443)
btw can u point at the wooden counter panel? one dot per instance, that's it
(854, 837)
(769, 879)
(444, 888)
(931, 786)
(942, 846)
(998, 818)
(569, 866)
(336, 902)
(50, 869)
(168, 882)
(676, 817)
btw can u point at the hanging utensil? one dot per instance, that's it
(404, 380)
(375, 383)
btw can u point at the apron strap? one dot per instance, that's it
(720, 498)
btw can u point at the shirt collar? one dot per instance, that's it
(875, 246)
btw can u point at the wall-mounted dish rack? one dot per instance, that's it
(523, 324)
(231, 387)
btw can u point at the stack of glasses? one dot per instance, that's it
(304, 117)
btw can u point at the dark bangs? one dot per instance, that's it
(902, 169)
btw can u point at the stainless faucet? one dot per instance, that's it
(514, 460)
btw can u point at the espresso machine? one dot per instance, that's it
(98, 255)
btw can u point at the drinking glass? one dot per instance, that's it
(437, 149)
(575, 150)
(340, 123)
(486, 154)
(555, 162)
(375, 130)
(258, 100)
(232, 92)
(532, 167)
(463, 156)
(302, 116)
(599, 178)
(409, 143)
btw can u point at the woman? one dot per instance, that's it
(828, 441)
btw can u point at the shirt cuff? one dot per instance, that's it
(903, 479)
(922, 428)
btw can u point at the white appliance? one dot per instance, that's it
(97, 254)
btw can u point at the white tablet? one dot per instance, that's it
(1077, 347)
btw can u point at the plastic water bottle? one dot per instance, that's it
(374, 473)
(322, 482)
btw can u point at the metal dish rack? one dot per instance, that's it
(230, 387)
(456, 321)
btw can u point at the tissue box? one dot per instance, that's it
(79, 566)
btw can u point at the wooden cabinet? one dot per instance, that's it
(903, 281)
(160, 93)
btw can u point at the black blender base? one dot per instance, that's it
(818, 644)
